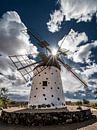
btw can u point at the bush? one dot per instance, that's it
(79, 108)
(79, 103)
(85, 101)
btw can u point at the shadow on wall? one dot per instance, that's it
(74, 126)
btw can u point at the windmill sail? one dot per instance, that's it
(39, 71)
(24, 65)
(73, 73)
(41, 43)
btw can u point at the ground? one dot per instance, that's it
(87, 125)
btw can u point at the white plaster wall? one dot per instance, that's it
(54, 87)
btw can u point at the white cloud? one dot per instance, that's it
(88, 73)
(84, 53)
(70, 83)
(55, 22)
(13, 42)
(12, 39)
(81, 50)
(15, 91)
(72, 40)
(80, 10)
(81, 56)
(90, 70)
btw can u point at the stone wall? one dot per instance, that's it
(53, 118)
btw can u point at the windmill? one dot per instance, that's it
(46, 90)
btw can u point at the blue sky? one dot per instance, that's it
(53, 20)
(35, 14)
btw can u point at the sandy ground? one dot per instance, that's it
(26, 110)
(87, 125)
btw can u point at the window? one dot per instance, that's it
(62, 104)
(58, 99)
(57, 87)
(45, 98)
(44, 95)
(52, 95)
(44, 83)
(46, 78)
(52, 104)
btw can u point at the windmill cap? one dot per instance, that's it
(49, 61)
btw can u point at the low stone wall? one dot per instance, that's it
(54, 118)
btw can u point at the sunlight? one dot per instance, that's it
(54, 51)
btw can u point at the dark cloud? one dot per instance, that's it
(17, 97)
(88, 94)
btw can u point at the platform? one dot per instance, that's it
(26, 116)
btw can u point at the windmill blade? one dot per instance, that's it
(27, 71)
(65, 52)
(32, 64)
(21, 61)
(41, 43)
(74, 74)
(42, 67)
(61, 43)
(39, 71)
(24, 65)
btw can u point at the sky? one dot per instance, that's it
(72, 21)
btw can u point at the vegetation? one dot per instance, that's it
(85, 101)
(95, 92)
(79, 108)
(3, 98)
(79, 103)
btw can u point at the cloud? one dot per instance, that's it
(73, 40)
(70, 83)
(90, 70)
(77, 43)
(55, 22)
(82, 57)
(79, 10)
(15, 92)
(84, 52)
(13, 41)
(82, 60)
(82, 94)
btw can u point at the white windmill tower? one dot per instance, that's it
(47, 90)
(47, 86)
